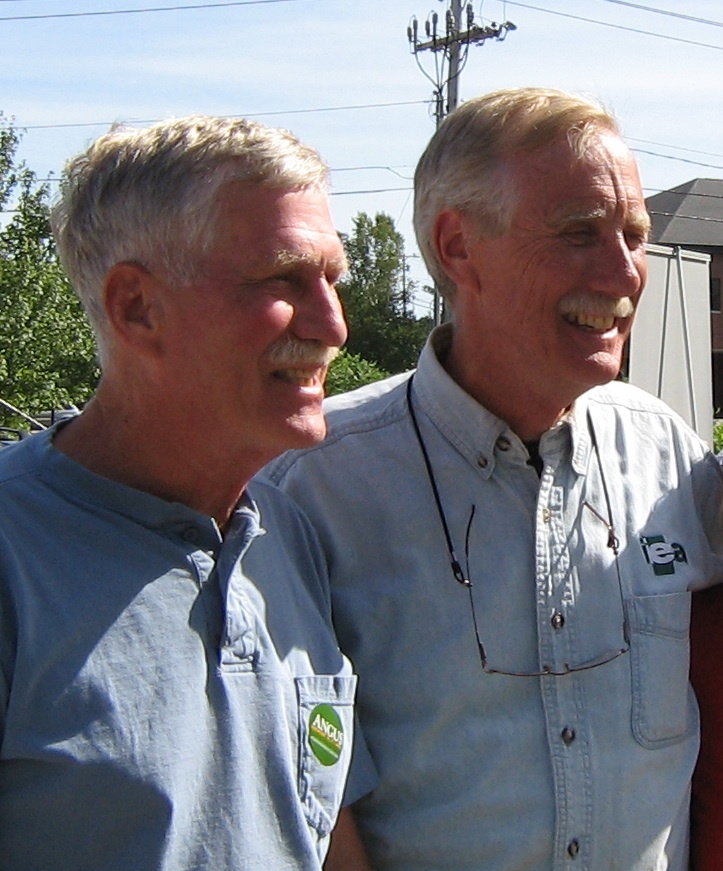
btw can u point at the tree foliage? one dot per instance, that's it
(377, 296)
(349, 371)
(47, 353)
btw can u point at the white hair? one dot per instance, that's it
(466, 164)
(149, 195)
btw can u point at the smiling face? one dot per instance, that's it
(545, 309)
(251, 339)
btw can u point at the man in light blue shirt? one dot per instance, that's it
(512, 534)
(172, 696)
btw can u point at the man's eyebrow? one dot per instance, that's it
(287, 259)
(638, 218)
(641, 221)
(594, 213)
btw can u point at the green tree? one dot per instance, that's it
(47, 352)
(377, 296)
(349, 371)
(717, 434)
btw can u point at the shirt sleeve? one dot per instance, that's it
(707, 678)
(363, 776)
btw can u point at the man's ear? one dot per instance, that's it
(132, 305)
(452, 236)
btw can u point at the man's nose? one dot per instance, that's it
(620, 269)
(321, 316)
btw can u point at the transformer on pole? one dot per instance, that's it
(449, 42)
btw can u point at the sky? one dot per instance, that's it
(341, 75)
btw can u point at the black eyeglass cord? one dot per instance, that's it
(462, 577)
(613, 542)
(459, 575)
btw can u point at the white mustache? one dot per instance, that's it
(289, 352)
(597, 305)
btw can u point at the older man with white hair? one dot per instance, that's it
(513, 534)
(172, 695)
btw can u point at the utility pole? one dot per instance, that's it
(453, 43)
(450, 45)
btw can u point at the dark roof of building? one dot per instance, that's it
(690, 214)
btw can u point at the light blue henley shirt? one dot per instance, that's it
(170, 700)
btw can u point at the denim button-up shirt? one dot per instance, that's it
(590, 564)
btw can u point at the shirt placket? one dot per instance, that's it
(239, 640)
(562, 695)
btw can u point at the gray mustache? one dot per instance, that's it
(598, 305)
(289, 352)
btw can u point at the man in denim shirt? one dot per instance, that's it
(172, 696)
(512, 534)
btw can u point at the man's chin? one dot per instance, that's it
(306, 432)
(601, 369)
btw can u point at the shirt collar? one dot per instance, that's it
(579, 420)
(475, 431)
(171, 518)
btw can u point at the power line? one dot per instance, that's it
(614, 26)
(49, 15)
(683, 194)
(375, 167)
(409, 188)
(331, 193)
(677, 147)
(637, 150)
(701, 218)
(688, 217)
(369, 191)
(666, 12)
(396, 104)
(653, 9)
(679, 159)
(80, 124)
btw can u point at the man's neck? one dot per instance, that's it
(138, 450)
(526, 412)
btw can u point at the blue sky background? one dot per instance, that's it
(339, 74)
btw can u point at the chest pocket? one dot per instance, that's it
(663, 707)
(326, 733)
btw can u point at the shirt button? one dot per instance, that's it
(190, 534)
(503, 443)
(482, 462)
(567, 735)
(546, 515)
(558, 620)
(573, 848)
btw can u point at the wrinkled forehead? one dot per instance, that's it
(564, 181)
(609, 150)
(266, 231)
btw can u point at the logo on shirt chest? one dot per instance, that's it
(661, 555)
(326, 734)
